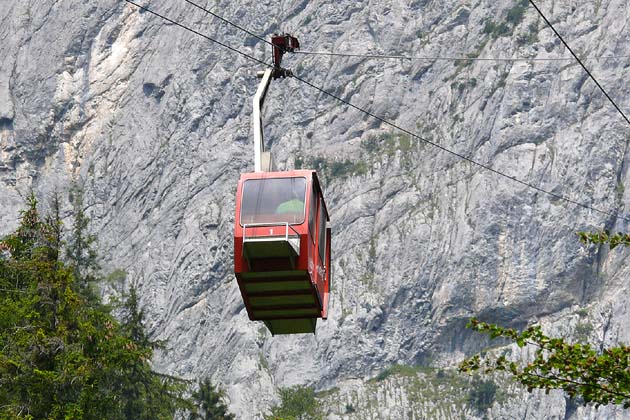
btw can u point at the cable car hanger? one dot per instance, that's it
(280, 45)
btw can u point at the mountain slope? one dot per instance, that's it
(150, 126)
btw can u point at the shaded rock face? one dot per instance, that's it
(150, 126)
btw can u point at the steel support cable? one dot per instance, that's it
(387, 56)
(391, 124)
(197, 33)
(229, 22)
(400, 57)
(447, 58)
(459, 155)
(579, 61)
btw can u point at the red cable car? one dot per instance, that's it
(281, 237)
(282, 249)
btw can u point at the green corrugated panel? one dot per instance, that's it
(292, 326)
(283, 300)
(278, 286)
(261, 313)
(254, 275)
(269, 249)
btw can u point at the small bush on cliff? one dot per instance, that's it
(297, 403)
(481, 394)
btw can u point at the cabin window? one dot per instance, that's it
(273, 200)
(322, 233)
(312, 213)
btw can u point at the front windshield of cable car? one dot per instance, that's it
(273, 200)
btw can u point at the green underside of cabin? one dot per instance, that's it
(292, 326)
(284, 299)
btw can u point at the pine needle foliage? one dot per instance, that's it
(81, 255)
(209, 404)
(63, 355)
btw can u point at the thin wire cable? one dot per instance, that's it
(446, 58)
(198, 33)
(386, 56)
(459, 155)
(229, 22)
(391, 124)
(580, 62)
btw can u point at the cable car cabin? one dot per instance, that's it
(282, 249)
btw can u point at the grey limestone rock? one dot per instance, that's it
(150, 126)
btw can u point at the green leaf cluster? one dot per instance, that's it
(605, 237)
(597, 377)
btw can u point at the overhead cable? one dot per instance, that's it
(396, 57)
(391, 124)
(580, 62)
(229, 22)
(459, 155)
(447, 58)
(197, 33)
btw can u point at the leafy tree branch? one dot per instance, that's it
(605, 237)
(597, 377)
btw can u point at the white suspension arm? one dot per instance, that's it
(262, 159)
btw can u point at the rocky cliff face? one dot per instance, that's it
(149, 125)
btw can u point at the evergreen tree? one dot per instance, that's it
(42, 366)
(209, 404)
(80, 252)
(62, 353)
(28, 236)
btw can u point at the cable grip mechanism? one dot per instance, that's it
(281, 44)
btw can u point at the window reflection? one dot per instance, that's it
(273, 200)
(322, 233)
